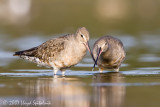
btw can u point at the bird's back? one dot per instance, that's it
(115, 45)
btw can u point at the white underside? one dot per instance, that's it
(35, 60)
(40, 63)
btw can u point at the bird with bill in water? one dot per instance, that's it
(108, 53)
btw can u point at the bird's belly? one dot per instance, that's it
(66, 61)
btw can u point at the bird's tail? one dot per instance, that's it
(30, 52)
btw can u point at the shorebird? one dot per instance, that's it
(59, 53)
(108, 53)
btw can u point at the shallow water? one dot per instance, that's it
(137, 84)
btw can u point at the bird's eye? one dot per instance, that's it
(82, 36)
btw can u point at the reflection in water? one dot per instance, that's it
(59, 91)
(67, 91)
(111, 95)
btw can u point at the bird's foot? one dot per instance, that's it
(101, 70)
(63, 72)
(116, 70)
(55, 71)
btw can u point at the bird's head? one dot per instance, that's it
(102, 46)
(82, 35)
(99, 47)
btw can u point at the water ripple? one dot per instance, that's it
(140, 72)
(125, 84)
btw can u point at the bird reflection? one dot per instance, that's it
(108, 93)
(60, 91)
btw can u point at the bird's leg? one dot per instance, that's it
(63, 72)
(101, 70)
(55, 70)
(117, 70)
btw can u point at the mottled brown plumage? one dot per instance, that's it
(59, 53)
(108, 53)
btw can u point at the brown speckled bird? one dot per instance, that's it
(59, 53)
(108, 53)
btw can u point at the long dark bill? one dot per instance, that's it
(99, 53)
(88, 47)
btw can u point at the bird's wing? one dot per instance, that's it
(51, 48)
(119, 61)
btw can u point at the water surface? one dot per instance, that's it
(29, 23)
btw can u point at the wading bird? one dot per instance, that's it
(108, 53)
(59, 53)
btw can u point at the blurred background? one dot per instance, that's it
(28, 23)
(28, 17)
